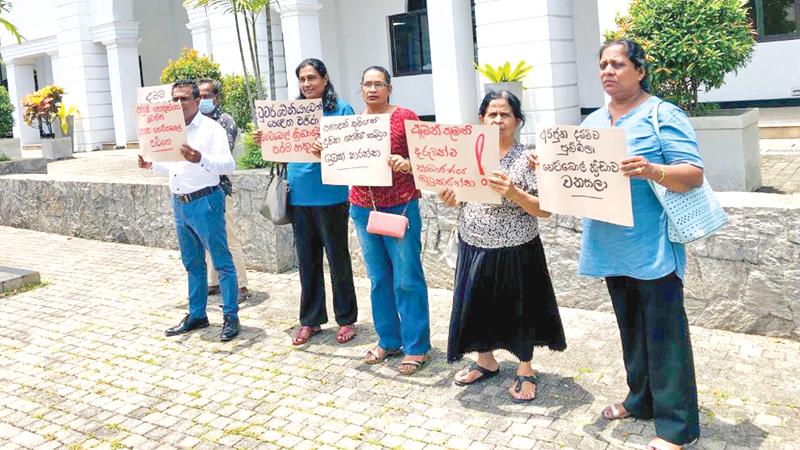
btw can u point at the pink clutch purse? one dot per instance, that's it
(387, 224)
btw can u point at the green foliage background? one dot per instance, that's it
(689, 43)
(251, 156)
(190, 66)
(6, 112)
(234, 99)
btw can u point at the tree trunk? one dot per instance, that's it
(270, 55)
(253, 55)
(244, 65)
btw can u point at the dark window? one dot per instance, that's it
(776, 19)
(411, 50)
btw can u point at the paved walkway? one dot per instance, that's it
(84, 363)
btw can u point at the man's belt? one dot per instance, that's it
(186, 198)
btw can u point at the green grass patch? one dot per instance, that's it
(24, 288)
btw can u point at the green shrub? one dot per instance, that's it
(689, 43)
(190, 66)
(6, 112)
(251, 156)
(234, 100)
(4, 157)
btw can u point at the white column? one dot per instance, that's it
(551, 94)
(20, 83)
(122, 50)
(455, 99)
(200, 29)
(300, 23)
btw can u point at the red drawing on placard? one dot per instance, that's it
(479, 152)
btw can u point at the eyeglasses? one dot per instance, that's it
(374, 84)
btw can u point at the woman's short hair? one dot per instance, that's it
(329, 96)
(510, 98)
(636, 54)
(380, 69)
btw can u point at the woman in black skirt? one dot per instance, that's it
(503, 297)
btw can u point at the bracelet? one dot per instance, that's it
(663, 175)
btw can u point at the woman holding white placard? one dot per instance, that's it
(399, 292)
(503, 296)
(643, 269)
(319, 222)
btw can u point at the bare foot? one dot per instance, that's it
(660, 444)
(615, 411)
(468, 375)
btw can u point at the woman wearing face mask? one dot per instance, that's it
(320, 221)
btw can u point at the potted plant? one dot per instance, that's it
(503, 78)
(41, 109)
(692, 45)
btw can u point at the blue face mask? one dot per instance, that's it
(207, 105)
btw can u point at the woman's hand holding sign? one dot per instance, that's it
(399, 164)
(502, 184)
(448, 197)
(639, 167)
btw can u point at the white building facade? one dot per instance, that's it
(100, 51)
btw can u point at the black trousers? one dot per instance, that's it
(317, 228)
(658, 357)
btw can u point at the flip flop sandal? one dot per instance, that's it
(304, 333)
(415, 366)
(373, 357)
(518, 388)
(343, 330)
(485, 375)
(616, 412)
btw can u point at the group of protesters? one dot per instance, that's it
(503, 297)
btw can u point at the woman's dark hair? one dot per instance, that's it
(511, 99)
(380, 69)
(329, 97)
(636, 55)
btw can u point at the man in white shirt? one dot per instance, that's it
(198, 203)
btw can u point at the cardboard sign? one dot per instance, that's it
(460, 157)
(289, 129)
(579, 173)
(355, 150)
(154, 94)
(161, 131)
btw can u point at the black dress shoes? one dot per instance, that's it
(230, 328)
(188, 324)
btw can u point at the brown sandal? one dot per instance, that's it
(412, 365)
(373, 355)
(346, 333)
(304, 333)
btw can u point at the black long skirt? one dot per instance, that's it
(503, 299)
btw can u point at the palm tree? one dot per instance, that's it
(5, 6)
(233, 7)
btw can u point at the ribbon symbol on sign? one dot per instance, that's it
(479, 152)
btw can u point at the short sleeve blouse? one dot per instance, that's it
(507, 224)
(644, 250)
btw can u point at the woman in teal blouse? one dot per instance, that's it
(643, 269)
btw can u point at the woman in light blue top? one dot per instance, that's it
(320, 214)
(643, 269)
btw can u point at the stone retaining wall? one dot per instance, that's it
(137, 213)
(745, 278)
